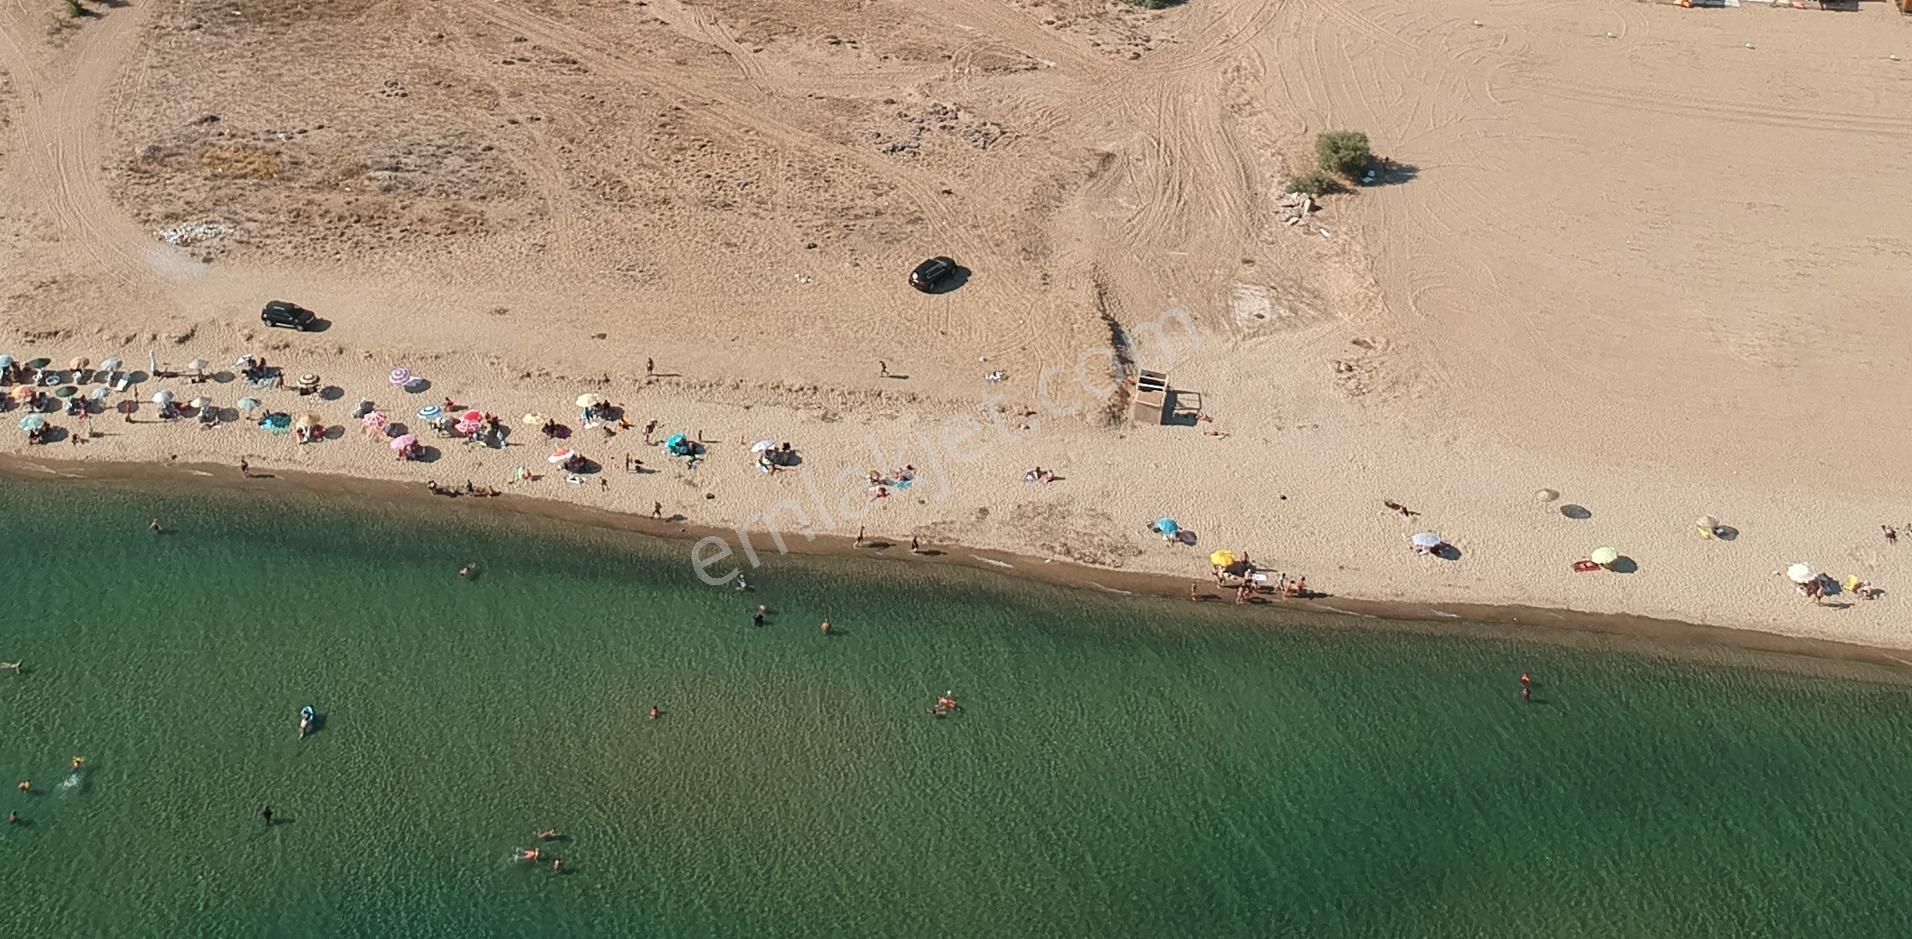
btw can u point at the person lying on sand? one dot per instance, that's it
(1398, 507)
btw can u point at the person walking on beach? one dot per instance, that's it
(245, 469)
(266, 814)
(916, 547)
(657, 510)
(650, 368)
(882, 369)
(859, 537)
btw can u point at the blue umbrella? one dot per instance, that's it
(430, 412)
(32, 422)
(1167, 527)
(6, 361)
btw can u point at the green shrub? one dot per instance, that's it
(1314, 183)
(1344, 153)
(75, 9)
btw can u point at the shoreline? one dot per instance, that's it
(1473, 620)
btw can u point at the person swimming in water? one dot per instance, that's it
(530, 855)
(557, 865)
(26, 785)
(549, 834)
(15, 667)
(79, 762)
(655, 713)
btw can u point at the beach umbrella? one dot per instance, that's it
(65, 391)
(201, 402)
(403, 441)
(1801, 573)
(376, 420)
(401, 376)
(565, 455)
(762, 446)
(1427, 540)
(6, 361)
(1707, 525)
(111, 364)
(310, 419)
(470, 428)
(473, 416)
(308, 380)
(248, 405)
(41, 362)
(1546, 495)
(162, 397)
(99, 394)
(590, 400)
(1222, 559)
(536, 420)
(32, 422)
(197, 365)
(1603, 556)
(79, 362)
(430, 412)
(1167, 526)
(23, 393)
(244, 361)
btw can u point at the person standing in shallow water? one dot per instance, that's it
(266, 813)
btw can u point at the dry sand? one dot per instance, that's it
(1640, 254)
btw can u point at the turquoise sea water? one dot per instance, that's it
(1121, 768)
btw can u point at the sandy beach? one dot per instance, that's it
(1617, 263)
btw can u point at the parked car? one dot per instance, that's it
(288, 315)
(931, 272)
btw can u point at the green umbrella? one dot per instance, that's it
(65, 391)
(42, 362)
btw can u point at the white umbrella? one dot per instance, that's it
(99, 394)
(248, 404)
(1546, 495)
(162, 397)
(1604, 556)
(197, 365)
(1801, 573)
(762, 446)
(201, 401)
(562, 456)
(1427, 539)
(590, 400)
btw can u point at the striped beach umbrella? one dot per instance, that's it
(430, 412)
(375, 420)
(401, 376)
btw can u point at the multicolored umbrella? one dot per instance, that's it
(565, 455)
(202, 402)
(376, 420)
(401, 376)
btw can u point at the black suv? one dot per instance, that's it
(931, 272)
(289, 315)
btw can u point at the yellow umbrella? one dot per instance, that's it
(1222, 558)
(1603, 556)
(310, 419)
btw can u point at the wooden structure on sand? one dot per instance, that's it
(1148, 398)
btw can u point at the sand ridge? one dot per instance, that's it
(1618, 262)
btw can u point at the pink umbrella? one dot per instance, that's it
(405, 442)
(401, 376)
(473, 416)
(376, 420)
(469, 428)
(565, 455)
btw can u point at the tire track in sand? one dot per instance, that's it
(60, 168)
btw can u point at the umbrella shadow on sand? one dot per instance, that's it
(417, 386)
(1447, 552)
(334, 432)
(331, 393)
(1624, 565)
(427, 454)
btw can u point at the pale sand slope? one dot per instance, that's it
(1654, 271)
